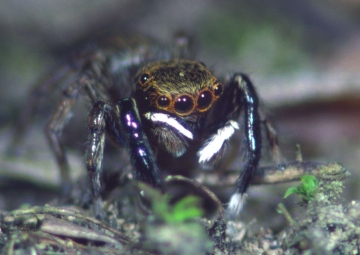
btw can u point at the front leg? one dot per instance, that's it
(142, 157)
(239, 98)
(95, 146)
(122, 122)
(248, 99)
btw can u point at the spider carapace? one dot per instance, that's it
(158, 103)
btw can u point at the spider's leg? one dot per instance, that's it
(239, 97)
(102, 117)
(95, 145)
(272, 139)
(55, 127)
(88, 82)
(122, 122)
(248, 99)
(40, 90)
(142, 156)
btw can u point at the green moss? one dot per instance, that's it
(329, 226)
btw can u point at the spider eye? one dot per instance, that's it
(204, 100)
(144, 78)
(218, 89)
(163, 101)
(183, 104)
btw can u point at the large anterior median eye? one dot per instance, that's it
(204, 100)
(183, 104)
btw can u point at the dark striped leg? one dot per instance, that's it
(122, 122)
(142, 156)
(249, 102)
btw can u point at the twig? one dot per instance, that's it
(277, 174)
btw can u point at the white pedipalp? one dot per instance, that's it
(216, 141)
(172, 122)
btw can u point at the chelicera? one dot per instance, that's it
(169, 111)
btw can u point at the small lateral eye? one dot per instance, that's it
(204, 100)
(183, 104)
(163, 101)
(144, 78)
(218, 89)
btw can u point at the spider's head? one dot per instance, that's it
(175, 95)
(181, 88)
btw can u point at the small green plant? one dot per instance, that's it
(172, 228)
(306, 190)
(186, 208)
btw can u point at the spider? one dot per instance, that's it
(169, 111)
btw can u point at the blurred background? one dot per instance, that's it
(303, 56)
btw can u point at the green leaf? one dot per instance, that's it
(290, 191)
(186, 208)
(307, 188)
(310, 184)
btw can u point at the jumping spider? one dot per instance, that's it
(168, 110)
